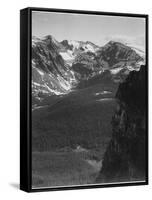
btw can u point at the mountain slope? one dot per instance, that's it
(114, 52)
(116, 57)
(50, 73)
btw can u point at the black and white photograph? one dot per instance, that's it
(76, 100)
(89, 99)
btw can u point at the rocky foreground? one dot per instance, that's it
(125, 156)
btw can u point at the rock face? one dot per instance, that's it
(124, 159)
(50, 73)
(114, 52)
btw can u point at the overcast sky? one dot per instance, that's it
(97, 29)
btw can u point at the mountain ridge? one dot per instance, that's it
(57, 67)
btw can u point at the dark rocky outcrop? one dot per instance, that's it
(124, 159)
(67, 45)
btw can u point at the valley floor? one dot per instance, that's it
(70, 137)
(65, 168)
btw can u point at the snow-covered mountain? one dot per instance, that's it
(120, 59)
(114, 53)
(57, 67)
(74, 48)
(50, 73)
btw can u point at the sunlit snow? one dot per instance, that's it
(103, 92)
(116, 70)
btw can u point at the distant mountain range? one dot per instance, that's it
(59, 67)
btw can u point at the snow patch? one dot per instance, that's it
(116, 70)
(90, 48)
(75, 44)
(37, 84)
(64, 84)
(40, 72)
(130, 68)
(105, 99)
(51, 90)
(66, 56)
(103, 92)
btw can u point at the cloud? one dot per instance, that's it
(138, 41)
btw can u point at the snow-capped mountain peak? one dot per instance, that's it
(57, 67)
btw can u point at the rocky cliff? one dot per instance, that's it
(124, 159)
